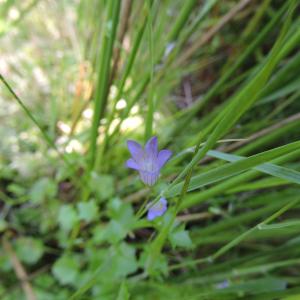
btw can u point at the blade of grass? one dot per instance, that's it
(45, 135)
(126, 72)
(151, 94)
(198, 198)
(241, 237)
(289, 175)
(190, 112)
(242, 101)
(174, 33)
(239, 165)
(101, 94)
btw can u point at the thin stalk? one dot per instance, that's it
(238, 239)
(103, 75)
(240, 104)
(127, 69)
(151, 95)
(213, 91)
(171, 38)
(45, 135)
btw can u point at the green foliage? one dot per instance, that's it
(123, 292)
(102, 186)
(66, 270)
(181, 238)
(87, 211)
(217, 82)
(29, 250)
(67, 217)
(42, 189)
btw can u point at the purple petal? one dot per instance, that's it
(131, 163)
(163, 157)
(149, 178)
(223, 285)
(151, 215)
(135, 149)
(164, 202)
(151, 147)
(157, 210)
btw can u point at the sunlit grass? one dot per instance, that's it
(217, 82)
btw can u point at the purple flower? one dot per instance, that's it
(223, 285)
(157, 209)
(148, 161)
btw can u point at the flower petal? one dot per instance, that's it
(149, 178)
(163, 157)
(151, 147)
(135, 149)
(157, 210)
(164, 202)
(132, 164)
(151, 215)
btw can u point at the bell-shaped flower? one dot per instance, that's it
(148, 161)
(157, 209)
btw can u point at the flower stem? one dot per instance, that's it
(141, 210)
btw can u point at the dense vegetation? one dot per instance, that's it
(217, 82)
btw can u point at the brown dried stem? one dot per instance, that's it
(19, 270)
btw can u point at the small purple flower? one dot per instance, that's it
(157, 209)
(223, 285)
(148, 161)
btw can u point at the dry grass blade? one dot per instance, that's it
(19, 270)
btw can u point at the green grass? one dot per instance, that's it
(217, 82)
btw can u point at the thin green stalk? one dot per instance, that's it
(198, 198)
(127, 70)
(254, 22)
(241, 102)
(45, 135)
(172, 36)
(144, 205)
(151, 94)
(199, 104)
(29, 114)
(240, 164)
(240, 238)
(101, 94)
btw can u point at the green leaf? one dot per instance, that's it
(5, 263)
(66, 269)
(41, 189)
(102, 186)
(115, 232)
(289, 175)
(99, 234)
(88, 211)
(67, 217)
(160, 265)
(16, 189)
(122, 212)
(123, 262)
(245, 97)
(233, 168)
(29, 250)
(260, 286)
(180, 238)
(123, 292)
(3, 225)
(279, 225)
